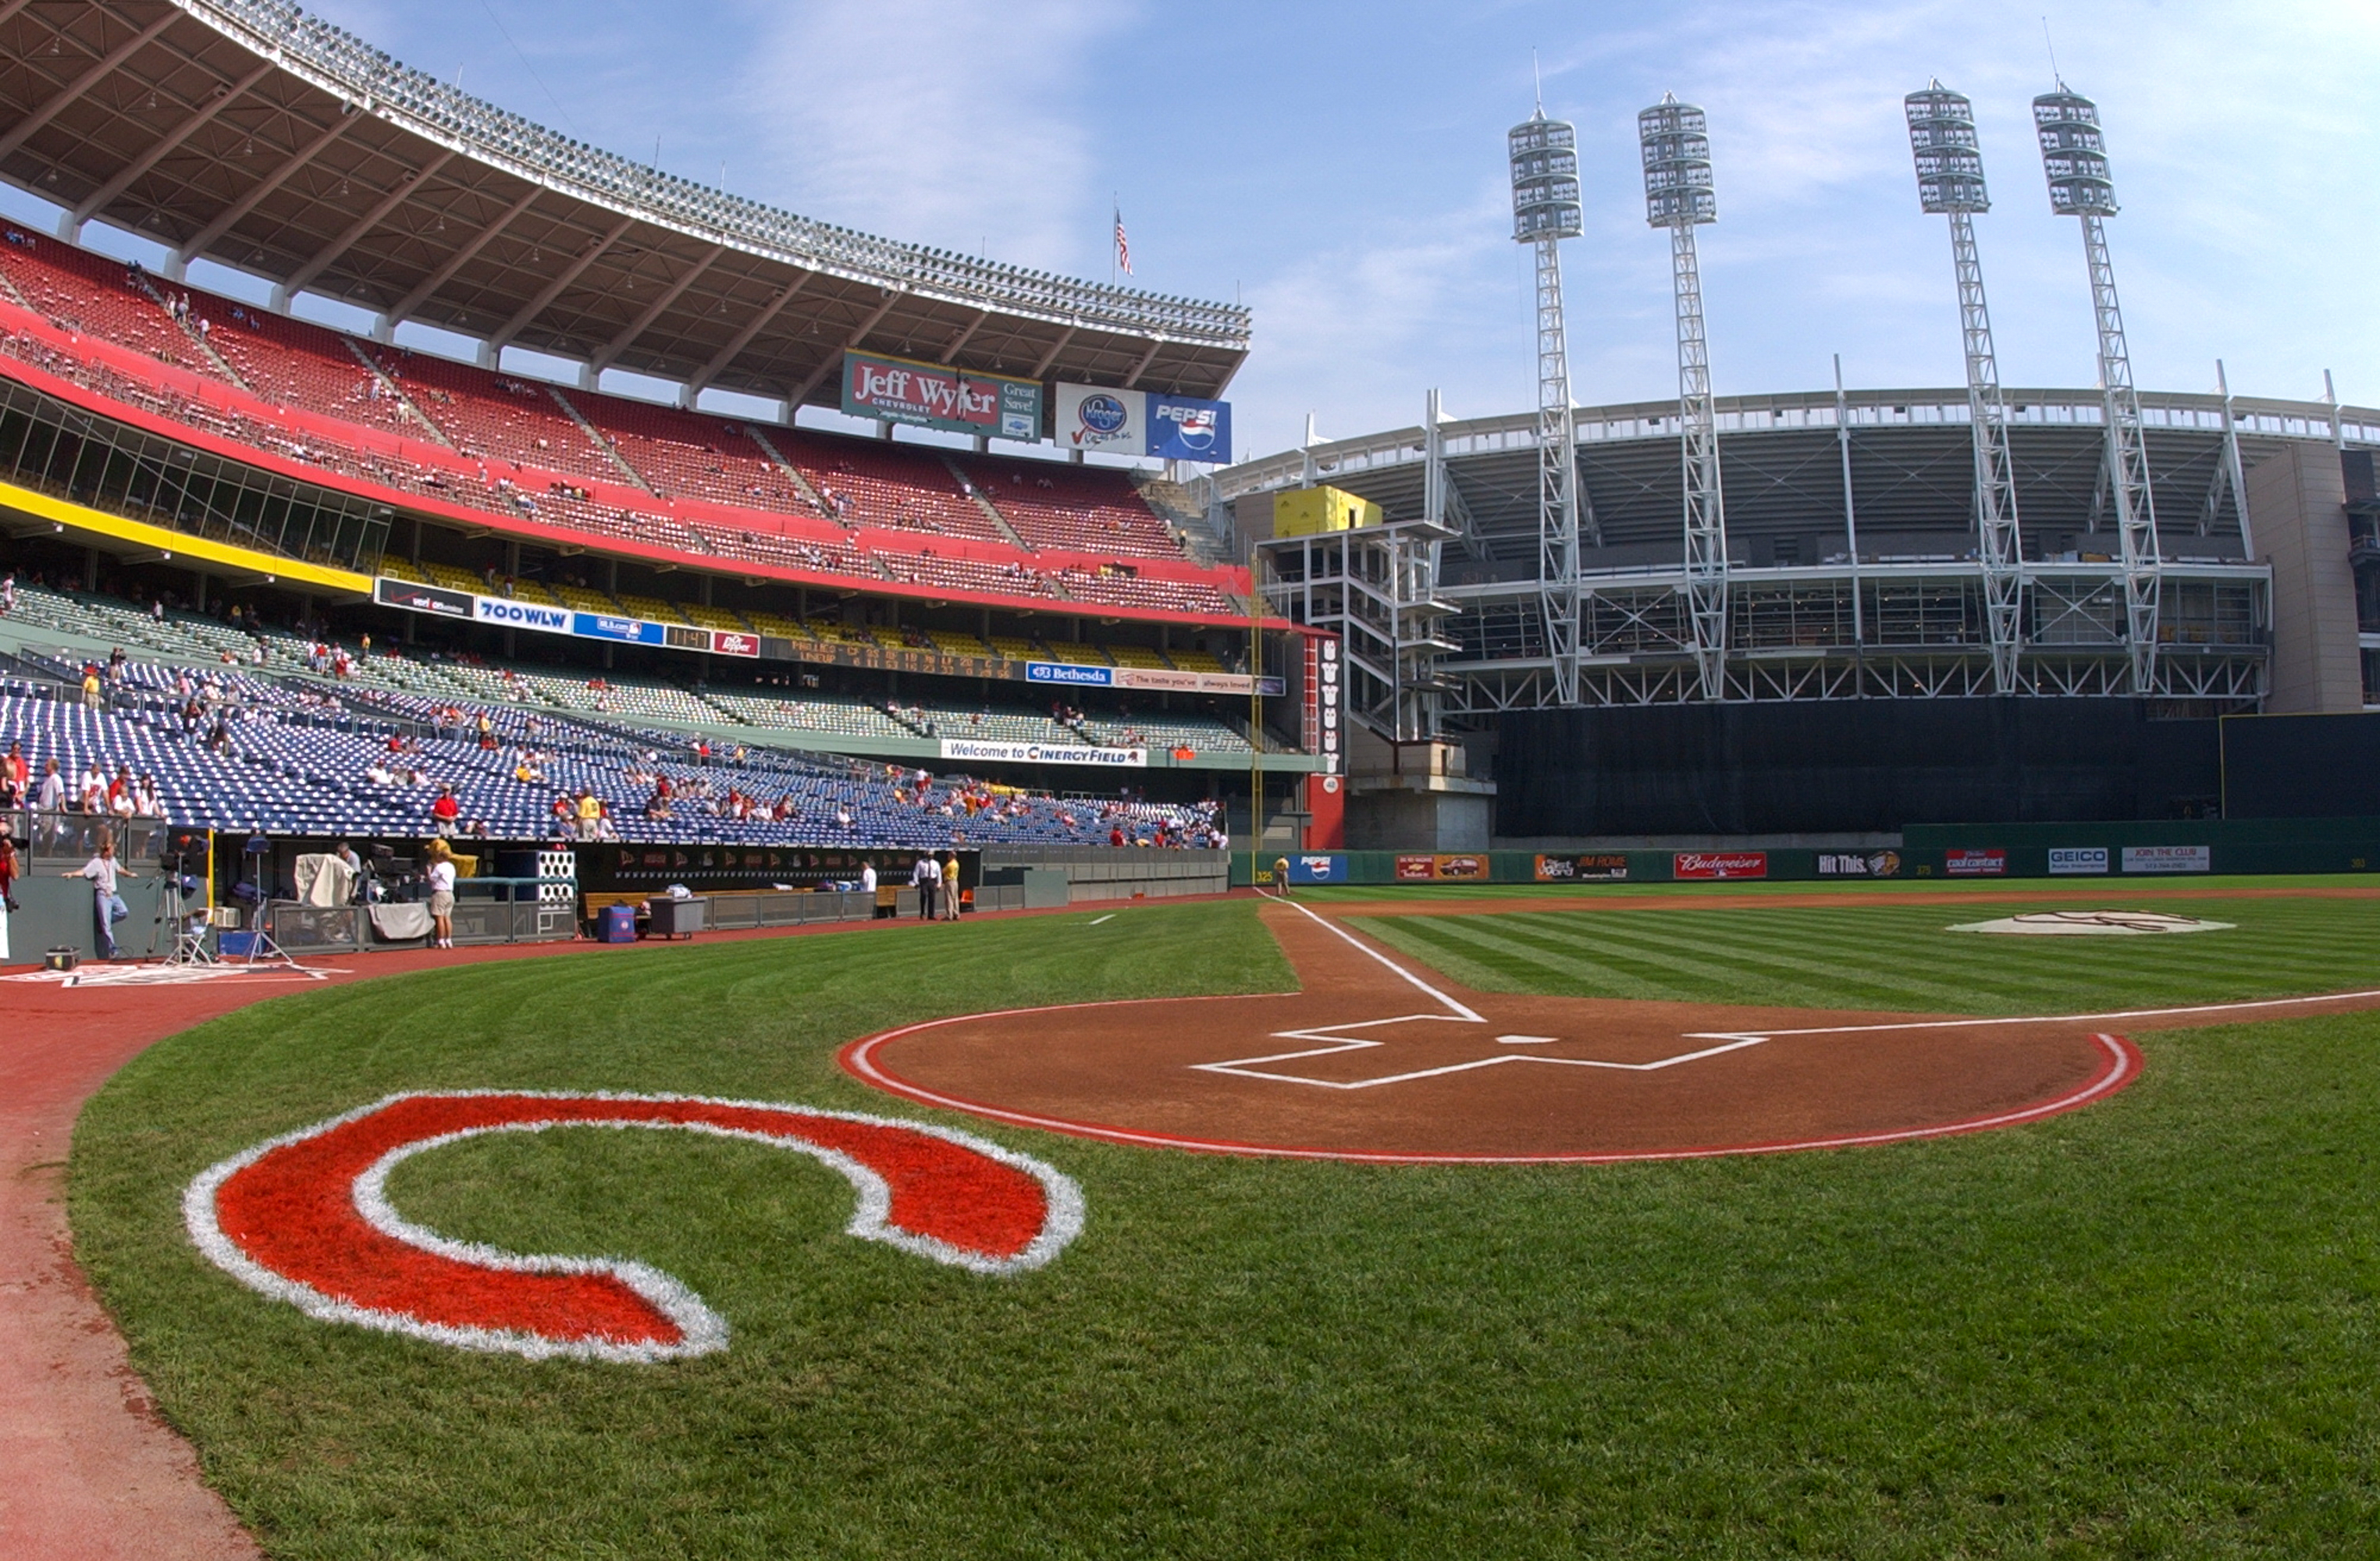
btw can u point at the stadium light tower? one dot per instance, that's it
(1545, 212)
(2075, 159)
(1951, 182)
(1678, 196)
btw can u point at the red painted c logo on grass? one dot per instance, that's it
(305, 1218)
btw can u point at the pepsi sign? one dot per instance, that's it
(1182, 427)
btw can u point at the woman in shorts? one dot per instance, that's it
(440, 878)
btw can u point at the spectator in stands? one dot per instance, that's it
(7, 593)
(15, 767)
(445, 811)
(90, 692)
(440, 876)
(49, 800)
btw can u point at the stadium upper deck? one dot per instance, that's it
(250, 133)
(456, 442)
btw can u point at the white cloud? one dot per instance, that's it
(940, 123)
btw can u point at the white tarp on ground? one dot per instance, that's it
(2069, 923)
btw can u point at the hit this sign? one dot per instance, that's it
(930, 395)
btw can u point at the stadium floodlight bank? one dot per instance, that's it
(1675, 141)
(1545, 212)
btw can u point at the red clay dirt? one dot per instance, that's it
(1368, 1061)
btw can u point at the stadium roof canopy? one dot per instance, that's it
(251, 134)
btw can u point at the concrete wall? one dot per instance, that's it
(1418, 819)
(2297, 503)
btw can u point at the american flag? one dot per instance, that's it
(1124, 244)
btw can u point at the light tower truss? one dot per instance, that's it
(2073, 156)
(1545, 212)
(1951, 182)
(1678, 196)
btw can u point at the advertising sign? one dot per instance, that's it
(511, 615)
(1609, 868)
(1131, 422)
(725, 644)
(1975, 864)
(422, 599)
(1318, 869)
(1036, 752)
(1067, 672)
(627, 631)
(1092, 419)
(2067, 860)
(930, 395)
(2169, 859)
(1719, 865)
(1182, 427)
(1859, 865)
(1458, 867)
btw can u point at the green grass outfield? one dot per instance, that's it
(2151, 1328)
(2115, 888)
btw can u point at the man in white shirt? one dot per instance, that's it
(106, 910)
(926, 878)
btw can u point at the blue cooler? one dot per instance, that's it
(618, 924)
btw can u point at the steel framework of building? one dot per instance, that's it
(1893, 604)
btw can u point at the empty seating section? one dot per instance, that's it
(95, 296)
(1079, 509)
(870, 482)
(496, 417)
(520, 451)
(685, 453)
(786, 553)
(294, 364)
(1133, 590)
(964, 574)
(1203, 734)
(847, 718)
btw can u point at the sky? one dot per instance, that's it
(1339, 168)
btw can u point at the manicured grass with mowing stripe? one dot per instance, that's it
(2150, 1327)
(1878, 955)
(2116, 887)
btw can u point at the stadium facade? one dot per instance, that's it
(2065, 568)
(860, 596)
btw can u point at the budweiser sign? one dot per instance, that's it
(1719, 865)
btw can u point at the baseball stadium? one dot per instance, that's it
(1741, 975)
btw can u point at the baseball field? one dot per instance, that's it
(1385, 1223)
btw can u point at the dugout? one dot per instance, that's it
(1847, 767)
